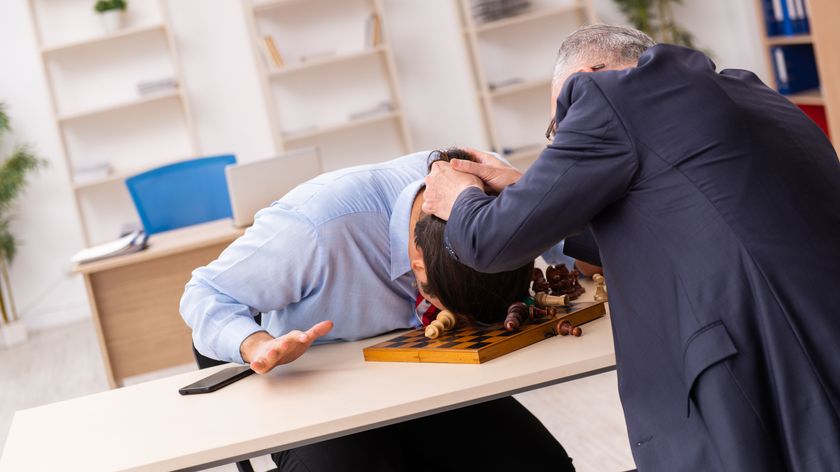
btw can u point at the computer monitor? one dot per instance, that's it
(255, 185)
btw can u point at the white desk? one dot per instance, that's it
(329, 392)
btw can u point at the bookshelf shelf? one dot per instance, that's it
(808, 97)
(80, 70)
(120, 106)
(784, 40)
(525, 156)
(539, 14)
(518, 87)
(315, 63)
(294, 92)
(126, 33)
(273, 4)
(511, 111)
(337, 127)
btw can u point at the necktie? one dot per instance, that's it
(426, 312)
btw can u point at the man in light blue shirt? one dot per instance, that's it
(336, 259)
(335, 250)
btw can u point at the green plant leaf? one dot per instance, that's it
(4, 119)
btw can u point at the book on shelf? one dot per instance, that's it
(795, 68)
(485, 11)
(132, 242)
(152, 87)
(786, 17)
(373, 31)
(499, 84)
(273, 52)
(817, 114)
(376, 110)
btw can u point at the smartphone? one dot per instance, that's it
(218, 380)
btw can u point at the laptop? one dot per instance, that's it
(256, 185)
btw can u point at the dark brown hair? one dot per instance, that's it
(462, 290)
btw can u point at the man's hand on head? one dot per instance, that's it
(495, 173)
(443, 185)
(265, 352)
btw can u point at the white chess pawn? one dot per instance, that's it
(600, 288)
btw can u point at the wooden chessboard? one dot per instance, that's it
(476, 344)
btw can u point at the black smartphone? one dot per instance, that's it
(218, 380)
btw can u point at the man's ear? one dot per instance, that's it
(418, 266)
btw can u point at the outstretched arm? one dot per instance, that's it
(589, 166)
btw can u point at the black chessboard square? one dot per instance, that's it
(449, 345)
(477, 345)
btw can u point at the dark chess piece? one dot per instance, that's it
(538, 282)
(516, 315)
(565, 328)
(563, 282)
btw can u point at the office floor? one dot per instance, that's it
(63, 363)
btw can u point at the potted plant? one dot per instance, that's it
(656, 18)
(13, 172)
(112, 13)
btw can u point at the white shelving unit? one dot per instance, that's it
(512, 61)
(336, 90)
(101, 116)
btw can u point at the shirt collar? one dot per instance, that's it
(400, 216)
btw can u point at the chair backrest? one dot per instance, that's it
(182, 194)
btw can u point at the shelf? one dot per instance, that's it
(519, 87)
(121, 106)
(530, 152)
(335, 59)
(270, 5)
(785, 40)
(808, 97)
(125, 33)
(119, 176)
(301, 135)
(526, 17)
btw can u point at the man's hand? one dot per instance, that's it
(443, 185)
(495, 173)
(265, 352)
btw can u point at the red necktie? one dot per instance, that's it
(425, 310)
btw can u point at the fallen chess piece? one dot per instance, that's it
(600, 288)
(545, 300)
(444, 321)
(518, 313)
(565, 328)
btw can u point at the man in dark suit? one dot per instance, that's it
(716, 206)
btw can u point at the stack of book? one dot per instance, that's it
(493, 10)
(130, 243)
(786, 17)
(151, 87)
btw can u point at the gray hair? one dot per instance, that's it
(611, 45)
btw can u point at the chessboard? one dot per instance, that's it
(477, 344)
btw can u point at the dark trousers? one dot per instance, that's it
(498, 435)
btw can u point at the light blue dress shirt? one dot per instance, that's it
(334, 248)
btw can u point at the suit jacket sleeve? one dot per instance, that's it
(589, 165)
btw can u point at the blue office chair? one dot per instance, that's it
(182, 194)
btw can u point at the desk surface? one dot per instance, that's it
(328, 392)
(170, 242)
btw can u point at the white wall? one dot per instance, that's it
(223, 90)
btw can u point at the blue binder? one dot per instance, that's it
(795, 68)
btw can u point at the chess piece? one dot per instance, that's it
(539, 284)
(600, 288)
(565, 328)
(516, 315)
(447, 319)
(434, 330)
(545, 300)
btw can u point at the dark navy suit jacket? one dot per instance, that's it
(716, 207)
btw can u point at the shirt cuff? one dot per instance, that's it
(456, 220)
(231, 337)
